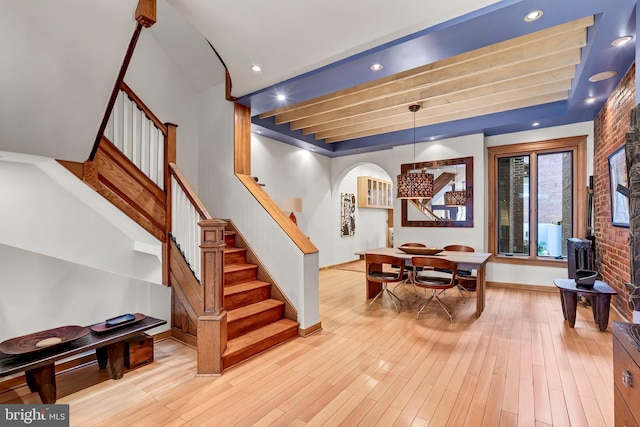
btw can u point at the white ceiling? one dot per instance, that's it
(290, 37)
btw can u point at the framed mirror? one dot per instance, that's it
(452, 201)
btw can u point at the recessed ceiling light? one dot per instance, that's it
(534, 15)
(602, 76)
(432, 138)
(590, 100)
(534, 124)
(621, 40)
(281, 97)
(376, 67)
(258, 131)
(256, 68)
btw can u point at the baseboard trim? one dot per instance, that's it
(523, 287)
(162, 335)
(310, 330)
(329, 267)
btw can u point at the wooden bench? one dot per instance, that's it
(600, 296)
(109, 346)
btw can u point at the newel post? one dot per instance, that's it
(212, 325)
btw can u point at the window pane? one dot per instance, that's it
(555, 189)
(513, 205)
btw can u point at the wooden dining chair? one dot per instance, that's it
(466, 279)
(438, 281)
(410, 269)
(376, 272)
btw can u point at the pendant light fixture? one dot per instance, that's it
(415, 185)
(455, 197)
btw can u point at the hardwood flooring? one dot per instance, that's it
(519, 364)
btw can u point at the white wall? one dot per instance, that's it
(40, 292)
(226, 198)
(464, 146)
(288, 171)
(47, 210)
(60, 60)
(161, 86)
(371, 223)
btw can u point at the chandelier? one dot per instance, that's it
(415, 185)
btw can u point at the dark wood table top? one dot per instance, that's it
(464, 260)
(599, 287)
(12, 363)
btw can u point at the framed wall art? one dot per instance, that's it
(347, 214)
(618, 188)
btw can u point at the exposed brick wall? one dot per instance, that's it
(612, 247)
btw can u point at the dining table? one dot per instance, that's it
(464, 261)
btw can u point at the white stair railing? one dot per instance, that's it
(186, 213)
(138, 134)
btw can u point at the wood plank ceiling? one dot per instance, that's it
(525, 71)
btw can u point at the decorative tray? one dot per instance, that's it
(43, 340)
(101, 328)
(413, 250)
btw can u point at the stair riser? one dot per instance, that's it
(232, 359)
(235, 258)
(240, 276)
(243, 325)
(230, 240)
(245, 298)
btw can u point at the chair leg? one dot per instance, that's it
(404, 282)
(424, 304)
(396, 297)
(376, 297)
(460, 288)
(444, 306)
(391, 294)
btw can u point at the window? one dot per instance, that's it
(537, 196)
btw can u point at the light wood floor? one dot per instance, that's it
(519, 364)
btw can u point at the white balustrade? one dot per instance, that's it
(184, 226)
(137, 137)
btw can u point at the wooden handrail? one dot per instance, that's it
(190, 193)
(242, 169)
(142, 106)
(145, 16)
(291, 229)
(116, 89)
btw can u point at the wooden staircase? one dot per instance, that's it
(255, 321)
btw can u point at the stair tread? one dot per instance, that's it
(251, 309)
(239, 267)
(234, 249)
(250, 338)
(243, 287)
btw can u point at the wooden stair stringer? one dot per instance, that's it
(186, 298)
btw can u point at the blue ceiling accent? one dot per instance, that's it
(493, 24)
